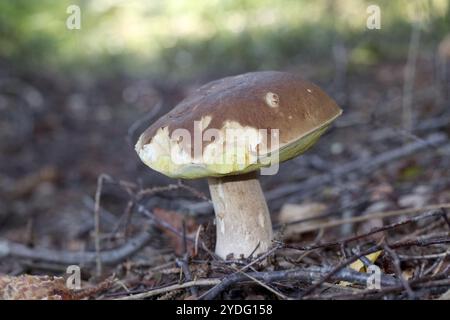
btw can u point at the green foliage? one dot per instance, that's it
(175, 38)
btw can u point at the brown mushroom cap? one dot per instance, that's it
(252, 101)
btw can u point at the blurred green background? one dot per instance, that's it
(181, 39)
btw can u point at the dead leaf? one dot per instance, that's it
(24, 186)
(28, 287)
(445, 296)
(381, 192)
(175, 219)
(294, 212)
(412, 201)
(359, 266)
(408, 274)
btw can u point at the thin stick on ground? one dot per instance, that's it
(241, 270)
(184, 266)
(183, 263)
(398, 270)
(425, 256)
(155, 292)
(375, 215)
(262, 284)
(398, 244)
(439, 213)
(109, 257)
(285, 275)
(440, 280)
(309, 275)
(435, 213)
(98, 194)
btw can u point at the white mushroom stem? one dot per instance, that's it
(242, 218)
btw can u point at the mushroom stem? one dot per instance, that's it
(242, 218)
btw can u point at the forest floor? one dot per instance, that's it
(374, 191)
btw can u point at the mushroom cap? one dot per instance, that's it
(237, 125)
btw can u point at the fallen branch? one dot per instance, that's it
(310, 186)
(109, 257)
(440, 280)
(435, 213)
(285, 275)
(370, 216)
(309, 274)
(155, 292)
(398, 270)
(398, 244)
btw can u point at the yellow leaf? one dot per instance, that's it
(359, 266)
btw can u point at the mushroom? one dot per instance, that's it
(221, 132)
